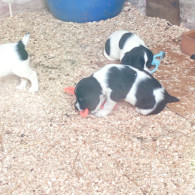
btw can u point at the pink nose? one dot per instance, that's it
(84, 113)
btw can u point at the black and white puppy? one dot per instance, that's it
(14, 59)
(114, 83)
(129, 49)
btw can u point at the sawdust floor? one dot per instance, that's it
(47, 148)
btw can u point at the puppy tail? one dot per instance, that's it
(25, 39)
(170, 98)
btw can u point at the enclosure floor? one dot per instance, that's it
(47, 148)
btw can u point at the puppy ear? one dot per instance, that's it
(132, 59)
(150, 55)
(127, 59)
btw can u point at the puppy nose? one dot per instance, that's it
(75, 106)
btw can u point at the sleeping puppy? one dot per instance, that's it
(129, 49)
(14, 59)
(114, 83)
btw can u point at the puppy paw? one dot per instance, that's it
(33, 89)
(101, 113)
(20, 87)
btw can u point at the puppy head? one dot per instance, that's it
(130, 58)
(139, 57)
(88, 92)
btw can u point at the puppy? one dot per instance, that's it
(129, 49)
(114, 83)
(14, 59)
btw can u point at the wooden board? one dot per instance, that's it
(167, 9)
(21, 6)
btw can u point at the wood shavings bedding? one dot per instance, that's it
(47, 148)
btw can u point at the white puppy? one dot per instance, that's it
(14, 59)
(129, 49)
(113, 83)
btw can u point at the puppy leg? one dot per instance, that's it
(34, 82)
(26, 72)
(22, 85)
(108, 107)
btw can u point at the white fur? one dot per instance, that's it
(159, 95)
(131, 95)
(108, 107)
(10, 63)
(98, 108)
(115, 52)
(102, 76)
(145, 67)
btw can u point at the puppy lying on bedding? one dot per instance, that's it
(129, 49)
(113, 83)
(14, 59)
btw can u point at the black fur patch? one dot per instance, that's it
(192, 57)
(23, 55)
(124, 39)
(135, 57)
(121, 81)
(107, 47)
(144, 93)
(161, 105)
(88, 91)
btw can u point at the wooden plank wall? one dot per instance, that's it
(21, 6)
(167, 9)
(185, 12)
(139, 4)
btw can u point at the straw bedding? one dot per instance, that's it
(47, 148)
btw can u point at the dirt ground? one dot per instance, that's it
(47, 148)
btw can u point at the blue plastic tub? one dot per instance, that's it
(84, 10)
